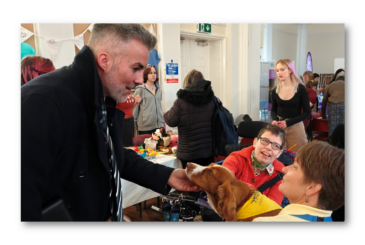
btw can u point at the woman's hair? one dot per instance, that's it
(336, 73)
(309, 74)
(33, 66)
(147, 71)
(308, 84)
(293, 76)
(192, 77)
(275, 130)
(324, 164)
(340, 76)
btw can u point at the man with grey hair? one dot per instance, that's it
(71, 151)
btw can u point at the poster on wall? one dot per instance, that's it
(172, 70)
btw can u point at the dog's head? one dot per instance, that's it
(225, 192)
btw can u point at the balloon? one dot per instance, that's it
(26, 49)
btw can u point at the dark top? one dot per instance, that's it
(193, 113)
(291, 108)
(63, 153)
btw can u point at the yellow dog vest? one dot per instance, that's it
(256, 205)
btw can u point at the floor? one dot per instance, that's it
(148, 214)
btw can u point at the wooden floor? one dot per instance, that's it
(148, 214)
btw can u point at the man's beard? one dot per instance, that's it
(112, 87)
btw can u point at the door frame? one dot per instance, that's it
(222, 52)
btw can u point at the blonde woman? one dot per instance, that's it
(290, 104)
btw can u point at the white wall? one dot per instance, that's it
(325, 42)
(169, 49)
(243, 69)
(284, 41)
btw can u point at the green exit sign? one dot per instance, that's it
(204, 27)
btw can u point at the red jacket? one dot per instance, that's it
(239, 162)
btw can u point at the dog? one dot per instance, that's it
(230, 198)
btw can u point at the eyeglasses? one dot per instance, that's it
(274, 146)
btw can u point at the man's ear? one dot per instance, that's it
(313, 189)
(104, 61)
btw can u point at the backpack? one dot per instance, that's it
(224, 130)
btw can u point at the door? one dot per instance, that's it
(195, 57)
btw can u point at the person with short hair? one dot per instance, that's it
(314, 184)
(258, 164)
(34, 66)
(335, 96)
(193, 113)
(315, 77)
(71, 148)
(148, 114)
(308, 76)
(290, 104)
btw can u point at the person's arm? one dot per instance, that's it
(274, 107)
(156, 177)
(312, 96)
(41, 131)
(324, 103)
(137, 99)
(136, 109)
(304, 99)
(172, 117)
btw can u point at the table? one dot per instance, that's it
(133, 193)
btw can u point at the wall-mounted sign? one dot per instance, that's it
(205, 28)
(172, 70)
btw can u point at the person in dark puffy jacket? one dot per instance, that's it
(193, 113)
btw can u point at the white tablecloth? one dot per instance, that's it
(133, 193)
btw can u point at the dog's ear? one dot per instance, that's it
(227, 201)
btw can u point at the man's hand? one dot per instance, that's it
(179, 181)
(274, 123)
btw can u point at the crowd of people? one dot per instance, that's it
(76, 122)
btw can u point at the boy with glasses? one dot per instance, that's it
(257, 164)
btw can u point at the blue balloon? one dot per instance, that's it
(26, 49)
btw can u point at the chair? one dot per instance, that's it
(309, 131)
(249, 130)
(139, 139)
(320, 127)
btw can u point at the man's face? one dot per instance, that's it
(316, 79)
(127, 71)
